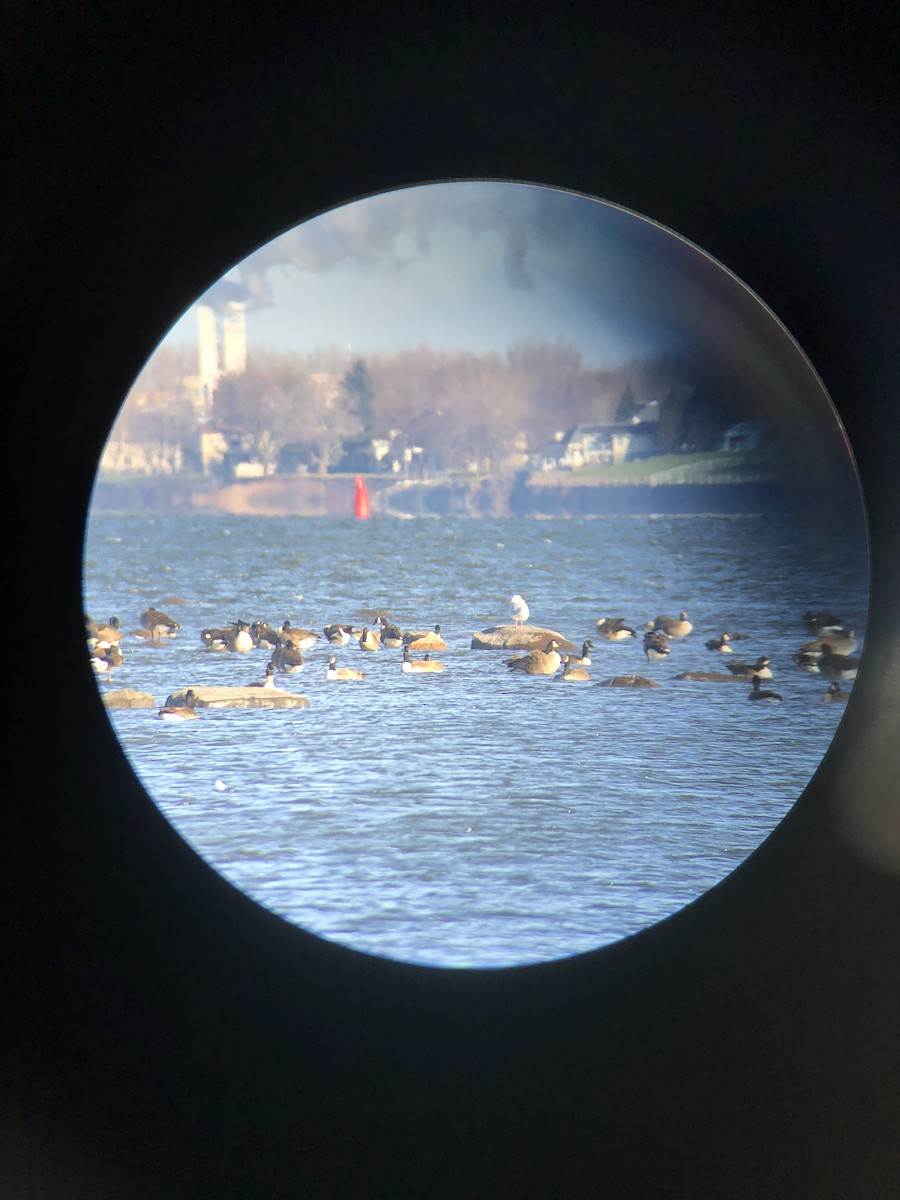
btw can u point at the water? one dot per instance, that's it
(475, 817)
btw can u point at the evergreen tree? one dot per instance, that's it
(359, 389)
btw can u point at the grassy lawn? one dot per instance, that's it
(641, 470)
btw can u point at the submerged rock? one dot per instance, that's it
(238, 697)
(128, 698)
(520, 637)
(714, 676)
(630, 681)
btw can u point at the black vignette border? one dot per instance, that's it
(165, 1038)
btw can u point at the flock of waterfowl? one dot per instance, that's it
(828, 651)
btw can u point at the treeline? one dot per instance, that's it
(465, 410)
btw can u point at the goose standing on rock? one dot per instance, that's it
(105, 635)
(158, 624)
(105, 660)
(538, 662)
(425, 639)
(520, 610)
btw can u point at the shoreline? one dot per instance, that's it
(501, 496)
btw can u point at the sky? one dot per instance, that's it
(474, 265)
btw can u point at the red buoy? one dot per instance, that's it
(361, 503)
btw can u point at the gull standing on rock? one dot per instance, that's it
(519, 609)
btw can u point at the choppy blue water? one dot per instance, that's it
(476, 817)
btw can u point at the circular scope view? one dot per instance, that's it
(476, 574)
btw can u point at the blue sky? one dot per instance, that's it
(469, 265)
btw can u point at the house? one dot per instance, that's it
(587, 445)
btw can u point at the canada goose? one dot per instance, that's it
(426, 664)
(158, 623)
(425, 640)
(573, 671)
(584, 658)
(335, 674)
(269, 681)
(105, 659)
(182, 712)
(821, 622)
(287, 659)
(391, 635)
(302, 639)
(759, 694)
(218, 639)
(673, 628)
(538, 662)
(106, 635)
(808, 660)
(720, 644)
(520, 610)
(656, 645)
(614, 629)
(835, 694)
(839, 641)
(743, 671)
(262, 631)
(837, 666)
(338, 635)
(369, 640)
(240, 640)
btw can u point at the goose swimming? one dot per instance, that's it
(673, 628)
(302, 639)
(336, 674)
(656, 645)
(573, 671)
(338, 635)
(181, 712)
(759, 694)
(720, 644)
(369, 640)
(614, 629)
(287, 659)
(269, 681)
(760, 667)
(837, 666)
(410, 666)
